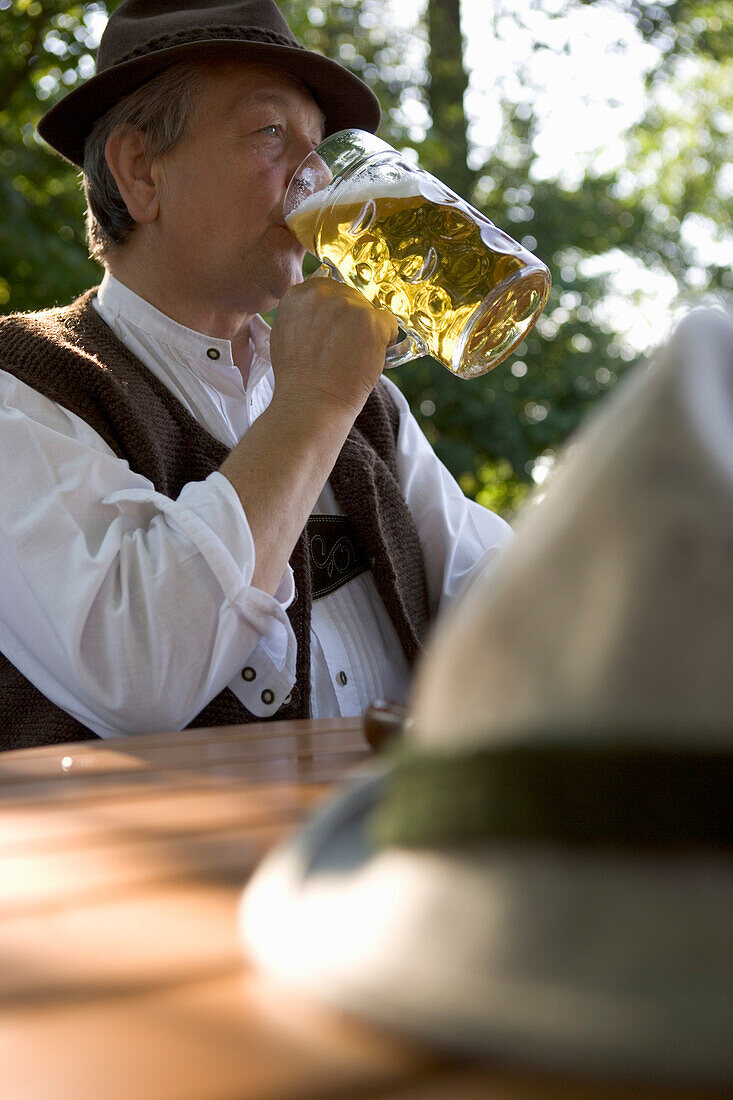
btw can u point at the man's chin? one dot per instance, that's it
(259, 287)
(283, 279)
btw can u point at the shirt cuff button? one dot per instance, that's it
(248, 674)
(267, 697)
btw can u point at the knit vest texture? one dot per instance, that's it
(72, 357)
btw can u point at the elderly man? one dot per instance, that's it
(204, 521)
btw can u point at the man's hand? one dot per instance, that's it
(328, 345)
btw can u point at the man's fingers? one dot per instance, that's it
(324, 272)
(329, 339)
(394, 325)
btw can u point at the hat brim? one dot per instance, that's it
(344, 99)
(541, 957)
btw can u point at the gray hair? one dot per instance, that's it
(163, 108)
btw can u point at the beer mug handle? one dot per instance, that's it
(411, 347)
(408, 348)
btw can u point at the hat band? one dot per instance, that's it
(588, 797)
(222, 32)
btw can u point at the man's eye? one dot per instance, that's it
(272, 130)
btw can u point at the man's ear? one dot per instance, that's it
(131, 168)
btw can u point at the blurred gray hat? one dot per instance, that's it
(543, 870)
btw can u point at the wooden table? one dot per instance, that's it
(121, 975)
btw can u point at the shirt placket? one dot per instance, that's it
(340, 669)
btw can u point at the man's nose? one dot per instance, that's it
(301, 147)
(299, 184)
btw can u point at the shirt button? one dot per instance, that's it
(213, 353)
(267, 697)
(342, 678)
(248, 674)
(288, 700)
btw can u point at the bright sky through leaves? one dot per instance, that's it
(585, 79)
(587, 72)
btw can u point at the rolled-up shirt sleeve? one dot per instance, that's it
(129, 610)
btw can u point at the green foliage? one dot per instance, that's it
(44, 50)
(679, 156)
(495, 486)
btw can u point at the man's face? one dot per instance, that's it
(221, 228)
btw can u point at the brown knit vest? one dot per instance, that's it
(72, 357)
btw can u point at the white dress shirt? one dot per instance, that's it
(131, 611)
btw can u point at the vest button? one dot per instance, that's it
(213, 353)
(267, 697)
(288, 700)
(342, 678)
(248, 674)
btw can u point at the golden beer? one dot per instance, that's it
(453, 280)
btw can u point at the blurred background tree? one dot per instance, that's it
(612, 230)
(45, 48)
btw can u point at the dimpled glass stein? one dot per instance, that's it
(462, 290)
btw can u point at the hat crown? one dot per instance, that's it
(139, 27)
(609, 619)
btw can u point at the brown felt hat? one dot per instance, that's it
(144, 37)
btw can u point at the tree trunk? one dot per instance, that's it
(448, 136)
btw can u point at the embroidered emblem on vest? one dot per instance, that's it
(336, 555)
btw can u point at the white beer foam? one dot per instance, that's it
(361, 192)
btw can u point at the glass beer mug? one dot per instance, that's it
(460, 288)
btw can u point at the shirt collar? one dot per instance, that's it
(195, 347)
